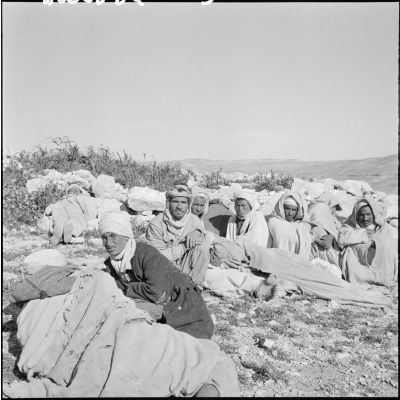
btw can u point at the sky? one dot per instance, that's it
(309, 81)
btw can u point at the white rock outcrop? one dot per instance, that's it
(104, 186)
(312, 189)
(145, 199)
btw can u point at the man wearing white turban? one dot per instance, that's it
(247, 222)
(148, 277)
(199, 204)
(289, 226)
(180, 236)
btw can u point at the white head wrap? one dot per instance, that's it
(290, 201)
(204, 195)
(246, 196)
(116, 222)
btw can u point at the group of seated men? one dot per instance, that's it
(164, 273)
(361, 248)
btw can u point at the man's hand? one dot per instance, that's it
(326, 241)
(370, 234)
(193, 239)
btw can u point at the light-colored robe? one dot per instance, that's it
(254, 228)
(76, 210)
(170, 242)
(361, 263)
(292, 236)
(323, 222)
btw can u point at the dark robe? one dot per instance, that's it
(153, 278)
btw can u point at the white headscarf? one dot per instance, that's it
(120, 224)
(246, 196)
(203, 195)
(116, 222)
(290, 201)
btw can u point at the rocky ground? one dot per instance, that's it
(296, 346)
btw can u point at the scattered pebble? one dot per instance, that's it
(242, 349)
(248, 373)
(214, 318)
(389, 334)
(267, 343)
(333, 304)
(341, 355)
(363, 381)
(8, 276)
(264, 393)
(272, 323)
(370, 364)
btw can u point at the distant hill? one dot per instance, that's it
(381, 173)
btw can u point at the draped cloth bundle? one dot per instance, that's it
(94, 342)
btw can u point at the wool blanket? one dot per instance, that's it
(308, 277)
(47, 282)
(94, 342)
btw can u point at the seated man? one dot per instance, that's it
(71, 215)
(289, 227)
(247, 222)
(199, 205)
(325, 233)
(148, 277)
(93, 341)
(369, 256)
(179, 235)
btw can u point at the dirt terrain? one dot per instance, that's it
(296, 346)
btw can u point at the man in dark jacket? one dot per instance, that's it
(149, 278)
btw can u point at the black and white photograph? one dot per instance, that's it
(199, 198)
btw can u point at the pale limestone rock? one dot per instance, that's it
(145, 199)
(312, 189)
(357, 188)
(104, 186)
(268, 205)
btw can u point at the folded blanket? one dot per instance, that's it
(294, 268)
(94, 342)
(47, 282)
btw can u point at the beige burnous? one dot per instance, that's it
(179, 235)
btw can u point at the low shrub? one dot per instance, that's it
(19, 206)
(214, 180)
(272, 181)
